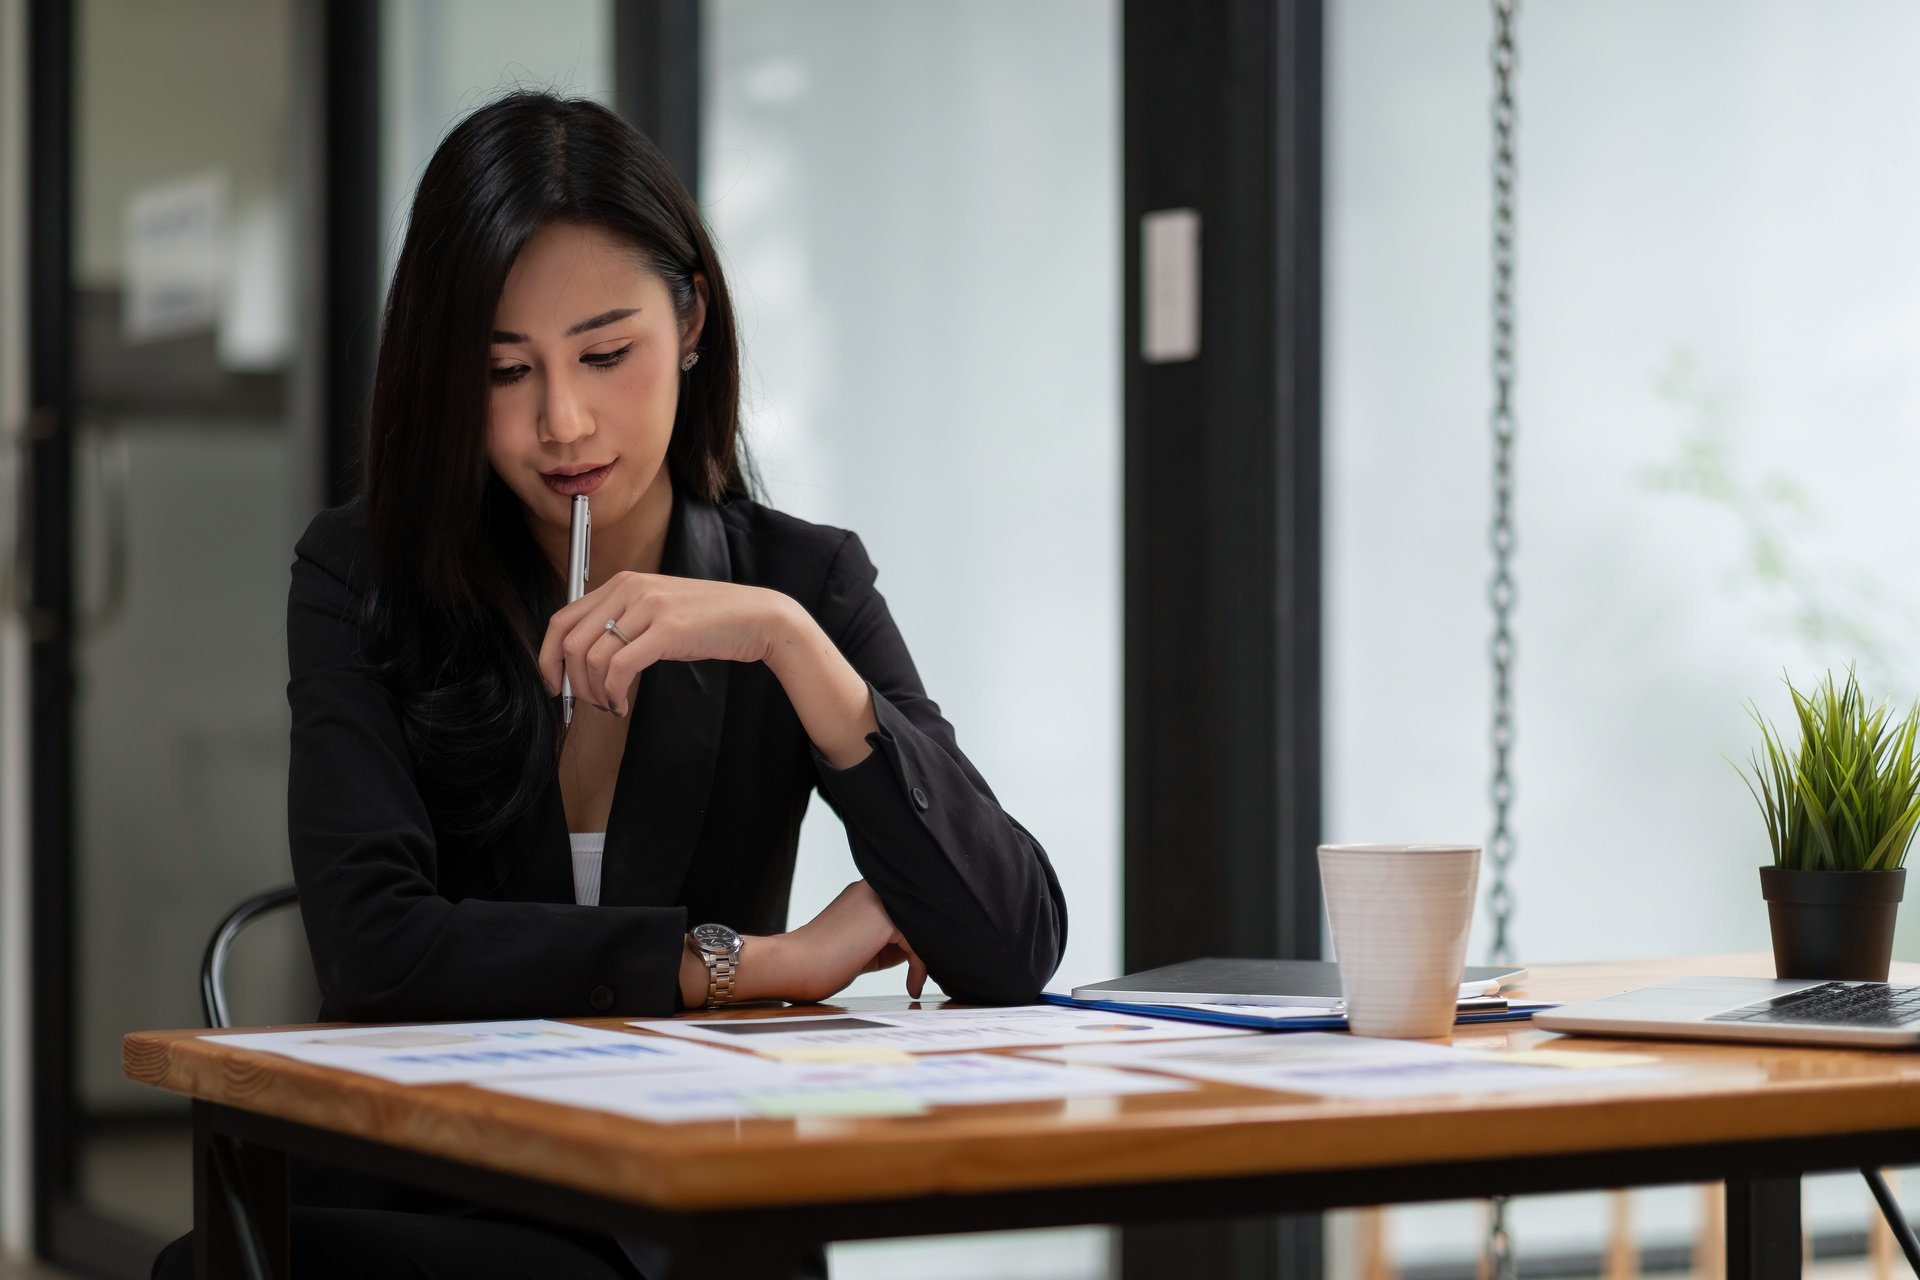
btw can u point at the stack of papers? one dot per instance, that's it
(1351, 1067)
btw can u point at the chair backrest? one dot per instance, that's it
(213, 966)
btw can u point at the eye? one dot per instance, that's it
(507, 375)
(607, 359)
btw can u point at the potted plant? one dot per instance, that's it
(1841, 809)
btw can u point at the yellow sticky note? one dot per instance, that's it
(849, 1054)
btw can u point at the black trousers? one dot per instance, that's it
(329, 1242)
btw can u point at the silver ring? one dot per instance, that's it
(613, 626)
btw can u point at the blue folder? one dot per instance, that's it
(1227, 1018)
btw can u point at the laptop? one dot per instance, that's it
(1218, 980)
(1788, 1010)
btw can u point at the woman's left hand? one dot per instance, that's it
(665, 619)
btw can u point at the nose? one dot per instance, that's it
(562, 418)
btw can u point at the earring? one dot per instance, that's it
(689, 360)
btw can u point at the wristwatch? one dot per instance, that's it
(719, 947)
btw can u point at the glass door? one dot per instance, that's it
(174, 473)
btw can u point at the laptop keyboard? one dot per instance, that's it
(1835, 1004)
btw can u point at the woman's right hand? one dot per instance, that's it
(854, 935)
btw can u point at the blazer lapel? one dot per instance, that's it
(679, 710)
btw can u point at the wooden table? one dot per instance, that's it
(1756, 1117)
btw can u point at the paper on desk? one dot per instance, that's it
(932, 1030)
(1341, 1066)
(754, 1087)
(777, 1104)
(1572, 1059)
(475, 1052)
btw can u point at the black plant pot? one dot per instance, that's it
(1832, 924)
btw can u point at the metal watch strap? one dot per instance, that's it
(720, 970)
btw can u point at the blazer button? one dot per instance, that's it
(919, 799)
(601, 999)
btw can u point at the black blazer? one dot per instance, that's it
(407, 923)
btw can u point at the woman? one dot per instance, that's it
(559, 325)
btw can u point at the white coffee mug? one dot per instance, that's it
(1400, 915)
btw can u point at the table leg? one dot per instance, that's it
(239, 1206)
(1763, 1228)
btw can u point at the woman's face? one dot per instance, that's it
(585, 374)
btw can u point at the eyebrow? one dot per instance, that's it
(599, 321)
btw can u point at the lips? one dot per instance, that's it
(570, 482)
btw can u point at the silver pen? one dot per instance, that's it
(579, 539)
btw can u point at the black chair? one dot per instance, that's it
(213, 966)
(213, 1003)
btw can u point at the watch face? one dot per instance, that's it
(716, 937)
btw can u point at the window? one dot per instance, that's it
(1719, 307)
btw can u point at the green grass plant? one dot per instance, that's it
(1848, 797)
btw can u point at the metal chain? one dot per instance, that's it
(1499, 1261)
(1500, 591)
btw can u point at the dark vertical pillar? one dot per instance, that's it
(656, 77)
(1763, 1228)
(351, 290)
(47, 490)
(1222, 116)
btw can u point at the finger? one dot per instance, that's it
(600, 656)
(564, 628)
(888, 958)
(916, 967)
(628, 661)
(574, 650)
(564, 622)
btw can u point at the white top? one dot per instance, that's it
(587, 848)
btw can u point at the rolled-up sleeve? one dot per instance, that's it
(970, 888)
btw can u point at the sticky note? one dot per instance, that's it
(848, 1054)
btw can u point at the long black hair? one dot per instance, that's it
(462, 594)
